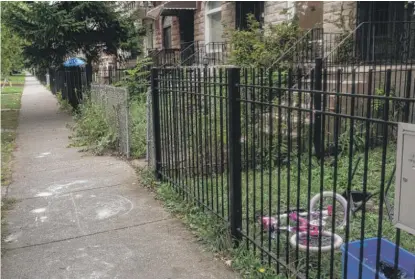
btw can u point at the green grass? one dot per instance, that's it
(289, 185)
(7, 146)
(63, 103)
(17, 78)
(138, 117)
(9, 119)
(10, 101)
(12, 90)
(92, 129)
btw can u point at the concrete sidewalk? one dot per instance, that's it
(80, 216)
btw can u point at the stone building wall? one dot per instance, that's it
(175, 32)
(277, 11)
(158, 32)
(339, 16)
(200, 22)
(333, 16)
(228, 14)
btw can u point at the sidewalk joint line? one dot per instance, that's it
(67, 193)
(87, 235)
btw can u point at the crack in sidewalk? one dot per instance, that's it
(86, 235)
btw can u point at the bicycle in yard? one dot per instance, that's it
(312, 228)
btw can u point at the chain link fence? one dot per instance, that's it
(121, 113)
(115, 103)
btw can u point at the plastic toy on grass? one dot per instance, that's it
(312, 228)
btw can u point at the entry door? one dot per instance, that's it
(186, 24)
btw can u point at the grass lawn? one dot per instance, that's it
(12, 90)
(17, 78)
(139, 126)
(7, 146)
(10, 101)
(9, 119)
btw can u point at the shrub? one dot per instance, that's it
(261, 47)
(92, 130)
(137, 80)
(63, 103)
(138, 114)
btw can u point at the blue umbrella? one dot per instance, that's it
(74, 62)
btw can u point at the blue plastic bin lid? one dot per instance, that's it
(74, 62)
(406, 261)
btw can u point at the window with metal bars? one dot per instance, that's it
(243, 8)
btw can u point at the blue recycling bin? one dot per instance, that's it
(406, 262)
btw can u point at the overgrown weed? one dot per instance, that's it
(92, 130)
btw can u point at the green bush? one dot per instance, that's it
(138, 112)
(92, 130)
(63, 103)
(137, 82)
(261, 47)
(137, 79)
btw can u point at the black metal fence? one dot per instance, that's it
(191, 54)
(168, 56)
(110, 76)
(40, 75)
(71, 83)
(123, 77)
(295, 166)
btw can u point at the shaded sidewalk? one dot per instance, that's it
(81, 216)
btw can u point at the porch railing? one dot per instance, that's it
(375, 43)
(213, 53)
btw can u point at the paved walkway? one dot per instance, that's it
(80, 216)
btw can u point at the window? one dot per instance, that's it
(167, 32)
(249, 7)
(213, 24)
(149, 36)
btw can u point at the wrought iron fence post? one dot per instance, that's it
(234, 143)
(156, 122)
(317, 107)
(407, 95)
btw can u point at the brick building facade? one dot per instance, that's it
(177, 24)
(232, 15)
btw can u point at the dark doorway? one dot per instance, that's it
(243, 8)
(187, 30)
